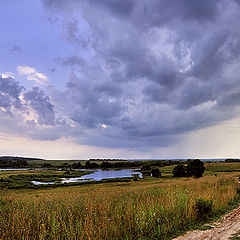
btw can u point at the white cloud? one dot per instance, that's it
(103, 125)
(3, 109)
(32, 74)
(25, 70)
(7, 75)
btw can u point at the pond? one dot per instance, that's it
(97, 175)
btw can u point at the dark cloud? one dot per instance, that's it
(155, 69)
(108, 89)
(194, 93)
(156, 11)
(10, 91)
(10, 87)
(13, 95)
(120, 7)
(42, 105)
(16, 48)
(71, 61)
(22, 111)
(72, 32)
(229, 101)
(92, 108)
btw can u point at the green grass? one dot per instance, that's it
(151, 208)
(146, 209)
(222, 167)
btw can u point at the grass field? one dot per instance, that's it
(152, 208)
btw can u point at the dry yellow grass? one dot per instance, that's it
(140, 210)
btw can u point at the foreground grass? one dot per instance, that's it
(157, 209)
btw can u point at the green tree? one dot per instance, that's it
(180, 171)
(195, 168)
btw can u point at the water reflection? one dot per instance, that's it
(40, 183)
(97, 175)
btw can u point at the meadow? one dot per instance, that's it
(151, 208)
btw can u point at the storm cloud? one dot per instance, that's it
(24, 112)
(155, 69)
(37, 99)
(138, 73)
(10, 91)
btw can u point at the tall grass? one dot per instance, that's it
(152, 210)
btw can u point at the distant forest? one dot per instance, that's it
(15, 162)
(23, 162)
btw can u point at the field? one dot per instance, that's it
(151, 208)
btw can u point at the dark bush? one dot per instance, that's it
(46, 165)
(180, 171)
(77, 165)
(91, 164)
(203, 208)
(146, 170)
(195, 168)
(156, 172)
(146, 173)
(135, 177)
(146, 167)
(106, 164)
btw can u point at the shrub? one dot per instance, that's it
(146, 167)
(195, 168)
(156, 172)
(146, 170)
(180, 171)
(203, 207)
(135, 177)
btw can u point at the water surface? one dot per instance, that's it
(97, 175)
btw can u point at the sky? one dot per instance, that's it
(86, 79)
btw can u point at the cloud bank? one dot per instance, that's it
(157, 69)
(143, 73)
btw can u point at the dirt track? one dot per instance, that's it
(222, 230)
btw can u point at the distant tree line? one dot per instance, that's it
(106, 159)
(232, 160)
(13, 158)
(105, 164)
(13, 163)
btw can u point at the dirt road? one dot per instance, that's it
(222, 231)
